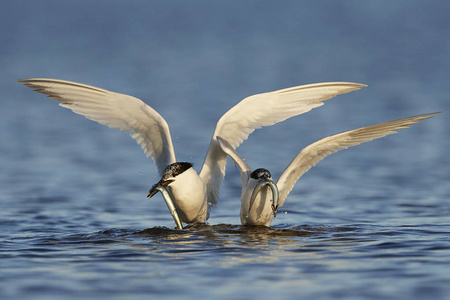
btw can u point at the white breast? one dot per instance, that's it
(189, 194)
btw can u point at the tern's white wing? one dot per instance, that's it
(262, 110)
(317, 151)
(245, 168)
(115, 110)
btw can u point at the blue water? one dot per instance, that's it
(371, 222)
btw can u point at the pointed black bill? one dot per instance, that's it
(155, 188)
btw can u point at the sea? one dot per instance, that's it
(370, 222)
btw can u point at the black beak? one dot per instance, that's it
(155, 188)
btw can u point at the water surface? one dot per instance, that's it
(371, 222)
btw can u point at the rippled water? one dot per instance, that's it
(349, 261)
(371, 222)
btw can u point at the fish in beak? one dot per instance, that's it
(156, 187)
(275, 195)
(161, 186)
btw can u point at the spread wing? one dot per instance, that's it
(317, 151)
(262, 110)
(115, 110)
(231, 152)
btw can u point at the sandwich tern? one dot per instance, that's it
(261, 196)
(188, 194)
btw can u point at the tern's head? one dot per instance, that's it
(260, 174)
(170, 174)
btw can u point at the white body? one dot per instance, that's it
(187, 187)
(261, 211)
(152, 133)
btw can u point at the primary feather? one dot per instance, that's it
(312, 154)
(262, 110)
(115, 110)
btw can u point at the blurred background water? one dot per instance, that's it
(370, 222)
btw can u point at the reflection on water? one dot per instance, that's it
(224, 238)
(238, 261)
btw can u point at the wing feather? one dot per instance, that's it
(115, 110)
(317, 151)
(262, 110)
(243, 166)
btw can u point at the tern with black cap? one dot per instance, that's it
(189, 192)
(261, 196)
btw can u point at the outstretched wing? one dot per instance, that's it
(115, 110)
(317, 151)
(243, 166)
(262, 110)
